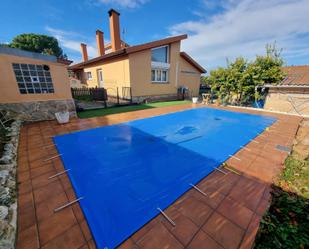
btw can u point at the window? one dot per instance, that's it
(159, 75)
(33, 79)
(160, 54)
(89, 75)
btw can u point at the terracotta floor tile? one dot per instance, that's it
(91, 244)
(249, 237)
(22, 166)
(128, 244)
(42, 180)
(45, 209)
(262, 207)
(78, 212)
(56, 224)
(247, 192)
(23, 176)
(38, 163)
(222, 183)
(213, 198)
(85, 230)
(145, 229)
(48, 191)
(71, 239)
(66, 183)
(223, 231)
(196, 210)
(25, 200)
(24, 187)
(37, 154)
(235, 212)
(38, 171)
(262, 172)
(26, 213)
(184, 230)
(266, 194)
(28, 239)
(58, 165)
(84, 246)
(159, 237)
(52, 150)
(203, 241)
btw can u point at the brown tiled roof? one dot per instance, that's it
(190, 60)
(122, 44)
(296, 76)
(129, 50)
(64, 61)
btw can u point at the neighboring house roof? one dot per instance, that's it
(296, 76)
(128, 50)
(123, 44)
(32, 55)
(190, 60)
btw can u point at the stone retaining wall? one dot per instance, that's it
(8, 191)
(154, 98)
(39, 110)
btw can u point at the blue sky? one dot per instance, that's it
(217, 29)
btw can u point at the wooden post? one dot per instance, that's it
(117, 96)
(131, 100)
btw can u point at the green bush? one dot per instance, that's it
(286, 224)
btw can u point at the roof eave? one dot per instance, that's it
(129, 50)
(285, 86)
(190, 60)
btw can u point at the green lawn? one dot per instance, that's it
(120, 109)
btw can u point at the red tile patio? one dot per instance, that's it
(227, 218)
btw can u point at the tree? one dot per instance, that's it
(236, 83)
(37, 43)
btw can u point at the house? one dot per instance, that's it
(34, 85)
(152, 71)
(292, 94)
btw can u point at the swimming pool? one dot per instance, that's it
(126, 172)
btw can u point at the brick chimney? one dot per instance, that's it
(100, 42)
(83, 48)
(114, 29)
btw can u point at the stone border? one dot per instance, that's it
(271, 111)
(39, 110)
(8, 189)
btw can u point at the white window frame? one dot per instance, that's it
(167, 54)
(87, 74)
(157, 80)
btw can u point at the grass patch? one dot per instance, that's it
(87, 98)
(286, 224)
(121, 109)
(295, 176)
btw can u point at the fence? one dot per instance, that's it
(89, 94)
(91, 97)
(119, 95)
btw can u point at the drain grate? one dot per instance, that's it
(283, 148)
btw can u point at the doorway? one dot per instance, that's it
(100, 77)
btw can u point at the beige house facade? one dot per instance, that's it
(292, 94)
(152, 71)
(33, 85)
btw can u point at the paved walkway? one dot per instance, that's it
(227, 218)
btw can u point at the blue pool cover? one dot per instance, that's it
(126, 171)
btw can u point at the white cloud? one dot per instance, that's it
(71, 41)
(244, 27)
(124, 3)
